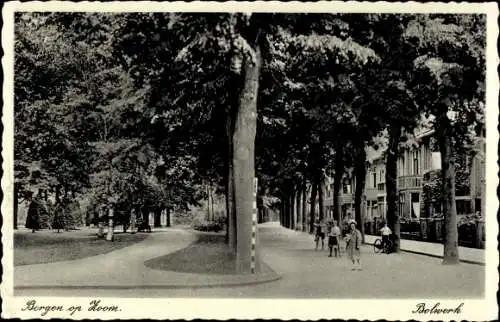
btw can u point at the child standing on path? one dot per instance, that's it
(353, 240)
(333, 239)
(320, 234)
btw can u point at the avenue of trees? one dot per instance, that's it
(138, 112)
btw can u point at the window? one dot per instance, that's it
(464, 207)
(381, 207)
(346, 187)
(369, 214)
(415, 205)
(374, 180)
(477, 205)
(401, 205)
(415, 166)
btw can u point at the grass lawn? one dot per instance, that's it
(49, 246)
(207, 255)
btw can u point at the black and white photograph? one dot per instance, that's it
(231, 160)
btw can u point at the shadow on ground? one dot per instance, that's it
(208, 254)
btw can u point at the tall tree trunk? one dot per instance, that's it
(212, 197)
(145, 214)
(360, 172)
(321, 197)
(293, 214)
(133, 221)
(451, 255)
(304, 206)
(230, 204)
(16, 203)
(100, 224)
(314, 193)
(168, 217)
(208, 202)
(244, 163)
(283, 212)
(391, 184)
(299, 208)
(288, 212)
(58, 193)
(157, 221)
(337, 183)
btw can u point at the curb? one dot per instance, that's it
(265, 279)
(467, 261)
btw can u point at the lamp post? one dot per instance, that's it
(100, 231)
(133, 221)
(111, 203)
(110, 235)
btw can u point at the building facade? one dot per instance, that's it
(414, 166)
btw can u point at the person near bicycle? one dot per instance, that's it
(386, 234)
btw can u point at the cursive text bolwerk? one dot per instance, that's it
(423, 308)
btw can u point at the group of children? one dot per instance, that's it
(352, 238)
(332, 231)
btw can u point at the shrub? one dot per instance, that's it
(410, 226)
(209, 226)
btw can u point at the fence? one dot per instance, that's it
(471, 233)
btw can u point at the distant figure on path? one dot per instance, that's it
(353, 240)
(334, 239)
(33, 216)
(320, 234)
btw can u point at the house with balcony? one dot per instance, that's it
(346, 196)
(375, 195)
(414, 166)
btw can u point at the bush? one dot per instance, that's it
(209, 226)
(410, 226)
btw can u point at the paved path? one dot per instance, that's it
(467, 255)
(305, 273)
(124, 268)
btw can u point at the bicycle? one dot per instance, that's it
(386, 248)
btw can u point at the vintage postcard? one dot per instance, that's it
(250, 160)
